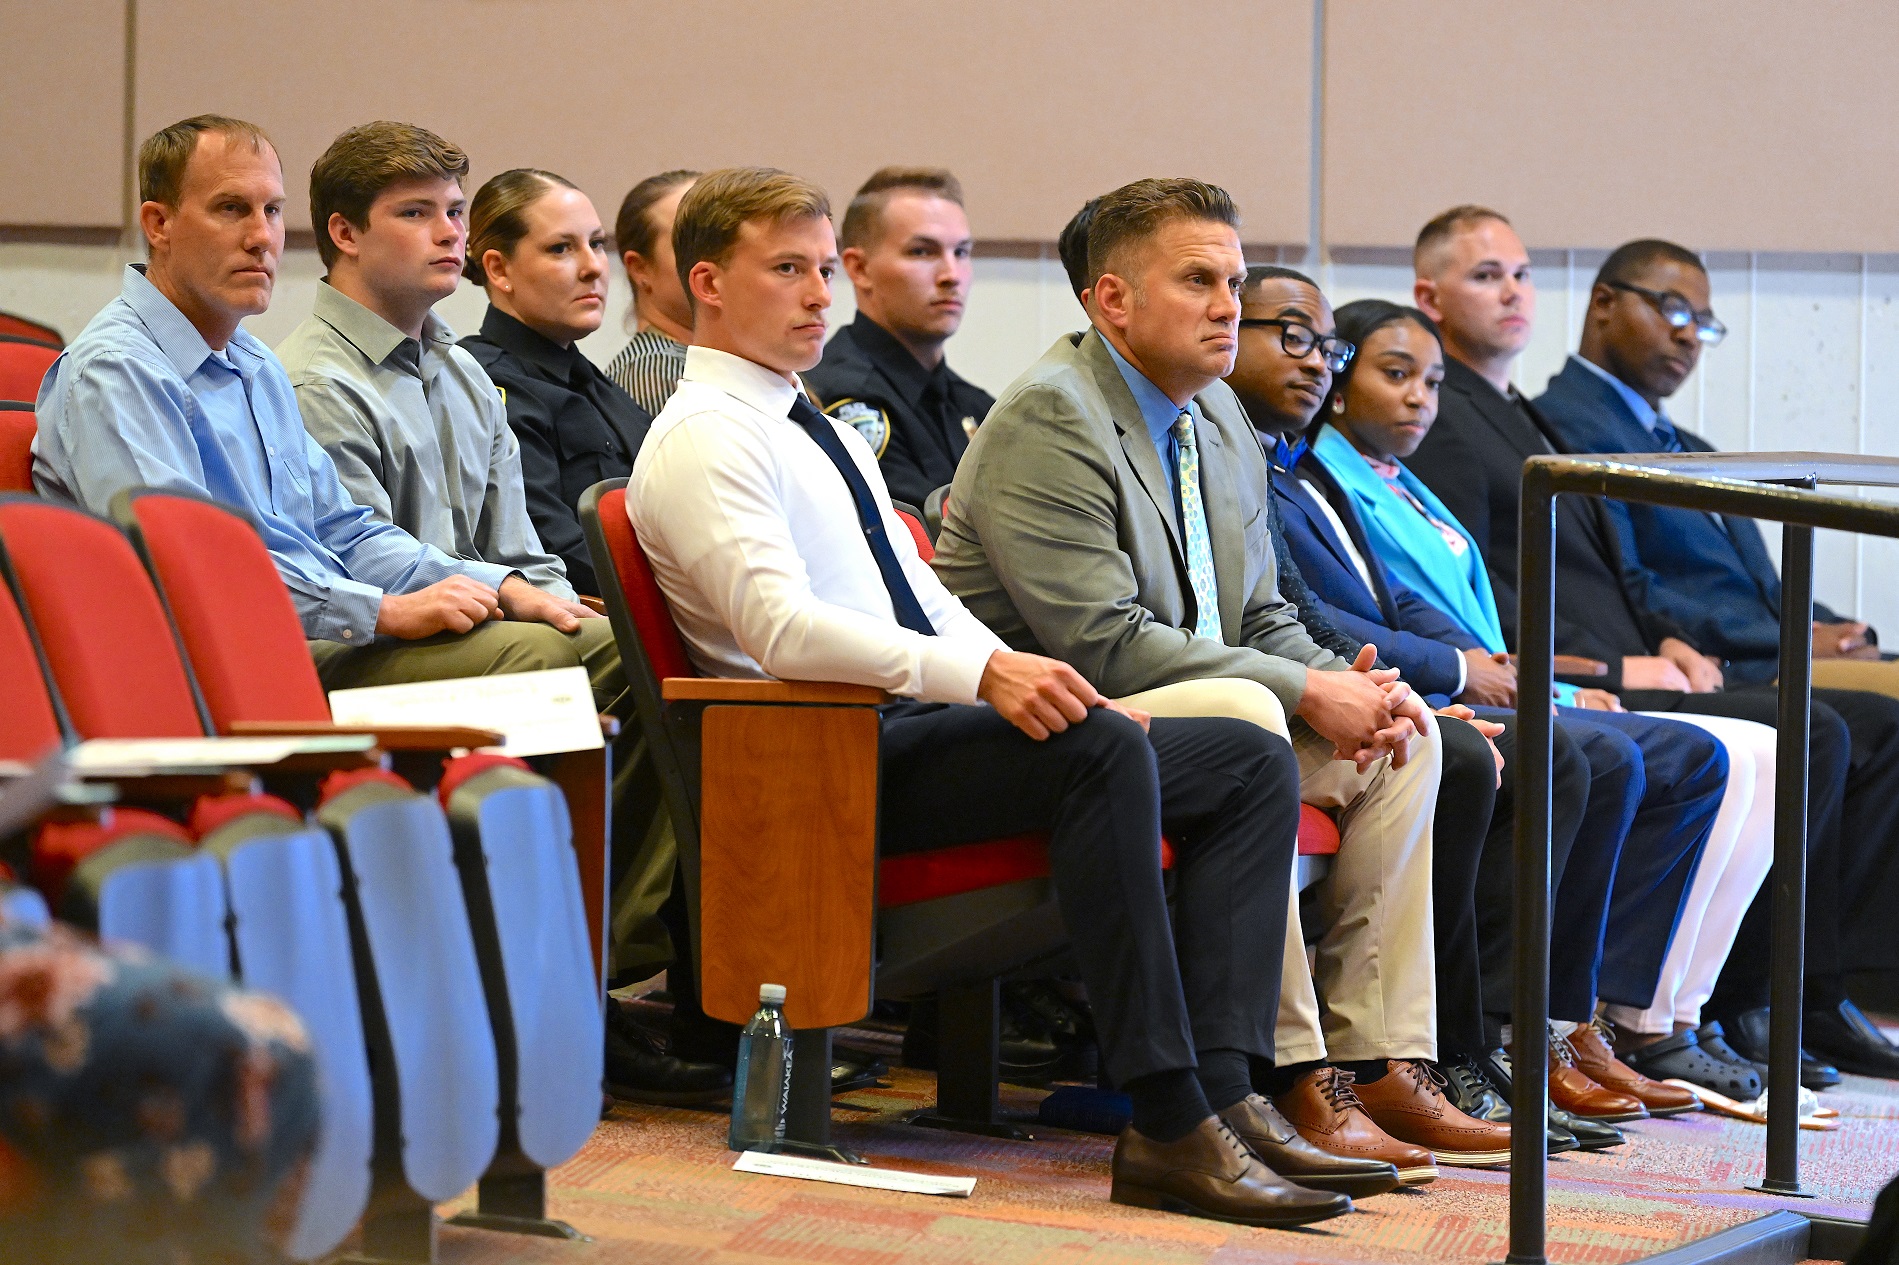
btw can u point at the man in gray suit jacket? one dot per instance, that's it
(1112, 512)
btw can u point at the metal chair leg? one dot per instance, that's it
(969, 1033)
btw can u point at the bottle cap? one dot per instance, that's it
(772, 994)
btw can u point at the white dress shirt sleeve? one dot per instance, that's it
(712, 507)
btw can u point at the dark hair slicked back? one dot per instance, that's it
(1632, 259)
(633, 228)
(497, 218)
(364, 161)
(166, 153)
(863, 218)
(1135, 212)
(1073, 245)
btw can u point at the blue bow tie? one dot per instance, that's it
(1286, 456)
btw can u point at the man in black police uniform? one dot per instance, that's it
(906, 245)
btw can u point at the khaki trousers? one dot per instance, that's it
(1374, 962)
(495, 648)
(1875, 676)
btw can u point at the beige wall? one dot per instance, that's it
(62, 96)
(1723, 124)
(1036, 105)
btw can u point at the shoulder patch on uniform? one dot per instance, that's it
(867, 419)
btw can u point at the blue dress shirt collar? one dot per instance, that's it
(1639, 408)
(176, 336)
(1157, 410)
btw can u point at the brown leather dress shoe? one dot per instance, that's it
(1275, 1141)
(1325, 1110)
(1211, 1173)
(1598, 1062)
(1408, 1102)
(1576, 1092)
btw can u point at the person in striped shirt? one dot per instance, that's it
(649, 366)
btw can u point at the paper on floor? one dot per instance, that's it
(853, 1174)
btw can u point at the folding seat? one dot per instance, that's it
(23, 366)
(507, 830)
(125, 872)
(17, 326)
(17, 428)
(393, 918)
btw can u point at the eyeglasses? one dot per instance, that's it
(1678, 312)
(1298, 341)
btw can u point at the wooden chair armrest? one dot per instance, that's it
(681, 689)
(388, 737)
(1576, 665)
(593, 604)
(788, 857)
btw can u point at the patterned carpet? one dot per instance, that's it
(655, 1186)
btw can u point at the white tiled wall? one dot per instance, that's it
(1811, 360)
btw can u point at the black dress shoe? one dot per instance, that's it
(1590, 1135)
(1211, 1173)
(1039, 1007)
(1471, 1091)
(1747, 1033)
(638, 1068)
(853, 1069)
(1849, 1039)
(1274, 1140)
(1023, 1058)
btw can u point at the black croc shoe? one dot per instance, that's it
(1684, 1057)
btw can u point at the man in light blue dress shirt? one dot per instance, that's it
(163, 389)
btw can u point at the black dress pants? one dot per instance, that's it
(1493, 900)
(1226, 792)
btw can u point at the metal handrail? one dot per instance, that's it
(1742, 485)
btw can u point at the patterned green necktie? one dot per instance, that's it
(1206, 589)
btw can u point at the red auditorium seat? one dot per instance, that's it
(23, 365)
(16, 326)
(17, 428)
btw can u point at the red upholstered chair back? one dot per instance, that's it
(652, 618)
(111, 650)
(17, 427)
(925, 549)
(29, 726)
(23, 365)
(240, 630)
(17, 326)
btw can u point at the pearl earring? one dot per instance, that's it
(1338, 404)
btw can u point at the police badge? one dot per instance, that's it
(867, 419)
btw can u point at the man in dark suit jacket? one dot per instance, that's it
(1473, 278)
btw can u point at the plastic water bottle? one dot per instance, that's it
(762, 1091)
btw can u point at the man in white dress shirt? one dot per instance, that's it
(769, 529)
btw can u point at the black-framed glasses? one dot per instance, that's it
(1299, 339)
(1679, 312)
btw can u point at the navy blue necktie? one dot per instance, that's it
(1664, 431)
(903, 598)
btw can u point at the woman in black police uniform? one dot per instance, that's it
(536, 244)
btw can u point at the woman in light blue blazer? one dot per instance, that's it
(1378, 412)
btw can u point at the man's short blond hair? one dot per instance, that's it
(1438, 231)
(706, 226)
(163, 157)
(864, 217)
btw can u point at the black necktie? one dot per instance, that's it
(903, 598)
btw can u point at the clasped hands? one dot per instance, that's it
(1366, 713)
